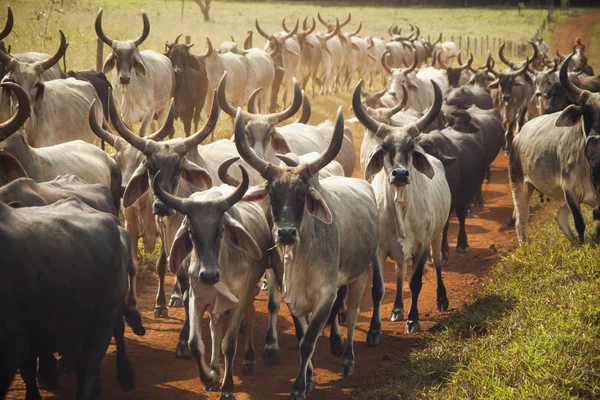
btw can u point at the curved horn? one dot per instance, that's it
(334, 146)
(292, 32)
(99, 31)
(130, 137)
(564, 78)
(357, 29)
(391, 30)
(520, 71)
(359, 110)
(252, 101)
(321, 20)
(285, 28)
(177, 38)
(15, 122)
(97, 129)
(459, 57)
(333, 32)
(259, 29)
(559, 56)
(247, 153)
(8, 26)
(248, 41)
(384, 63)
(415, 63)
(312, 29)
(535, 52)
(342, 24)
(222, 97)
(489, 66)
(370, 43)
(554, 67)
(292, 109)
(229, 201)
(209, 50)
(438, 40)
(468, 64)
(501, 55)
(306, 110)
(224, 175)
(49, 63)
(167, 127)
(439, 60)
(197, 138)
(433, 112)
(146, 30)
(290, 162)
(398, 107)
(171, 201)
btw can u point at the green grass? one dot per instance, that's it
(533, 331)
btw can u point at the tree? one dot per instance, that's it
(204, 7)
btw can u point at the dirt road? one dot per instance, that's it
(579, 26)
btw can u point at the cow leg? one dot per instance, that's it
(6, 378)
(562, 217)
(229, 346)
(336, 340)
(355, 294)
(146, 122)
(160, 310)
(436, 254)
(307, 345)
(445, 246)
(132, 227)
(175, 300)
(374, 334)
(207, 375)
(187, 126)
(183, 350)
(488, 173)
(416, 283)
(398, 310)
(28, 371)
(521, 193)
(249, 367)
(577, 216)
(217, 325)
(271, 351)
(48, 373)
(125, 371)
(462, 245)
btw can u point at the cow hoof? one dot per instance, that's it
(487, 180)
(271, 355)
(297, 396)
(442, 304)
(183, 350)
(227, 396)
(469, 213)
(264, 285)
(412, 327)
(249, 369)
(374, 337)
(337, 345)
(342, 317)
(310, 385)
(461, 249)
(125, 375)
(175, 301)
(161, 312)
(347, 368)
(397, 315)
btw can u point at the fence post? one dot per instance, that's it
(99, 56)
(475, 45)
(460, 42)
(468, 44)
(188, 39)
(487, 43)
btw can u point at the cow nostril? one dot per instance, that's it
(159, 208)
(125, 79)
(538, 94)
(400, 173)
(210, 277)
(287, 235)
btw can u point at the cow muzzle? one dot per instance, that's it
(399, 177)
(287, 235)
(125, 79)
(210, 277)
(538, 94)
(161, 209)
(506, 97)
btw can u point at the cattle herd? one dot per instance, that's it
(272, 200)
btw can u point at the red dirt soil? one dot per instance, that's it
(579, 26)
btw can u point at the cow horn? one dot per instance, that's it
(415, 63)
(229, 201)
(5, 58)
(346, 21)
(252, 101)
(489, 66)
(167, 127)
(171, 201)
(417, 33)
(136, 141)
(565, 81)
(554, 67)
(321, 20)
(259, 29)
(501, 55)
(359, 110)
(285, 28)
(248, 41)
(247, 153)
(535, 52)
(312, 29)
(292, 109)
(15, 122)
(177, 38)
(99, 30)
(334, 146)
(224, 175)
(306, 110)
(146, 30)
(434, 110)
(468, 64)
(334, 32)
(289, 161)
(391, 29)
(8, 26)
(384, 63)
(198, 137)
(438, 40)
(292, 32)
(209, 50)
(357, 29)
(398, 107)
(49, 63)
(370, 43)
(520, 71)
(439, 60)
(559, 56)
(222, 97)
(97, 129)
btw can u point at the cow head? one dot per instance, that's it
(292, 190)
(400, 77)
(481, 75)
(125, 55)
(325, 36)
(385, 114)
(261, 133)
(276, 42)
(10, 167)
(373, 100)
(397, 153)
(454, 73)
(558, 99)
(28, 75)
(544, 80)
(181, 57)
(518, 65)
(506, 80)
(205, 229)
(331, 26)
(303, 33)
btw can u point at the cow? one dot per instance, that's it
(19, 159)
(481, 75)
(446, 51)
(311, 53)
(375, 48)
(79, 263)
(517, 65)
(413, 198)
(457, 77)
(326, 234)
(557, 155)
(331, 60)
(467, 96)
(191, 84)
(144, 81)
(578, 63)
(228, 245)
(543, 81)
(98, 81)
(261, 74)
(558, 99)
(341, 61)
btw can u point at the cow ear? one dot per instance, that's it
(10, 168)
(355, 47)
(411, 84)
(471, 80)
(193, 62)
(570, 116)
(494, 84)
(421, 163)
(240, 238)
(196, 175)
(375, 164)
(39, 95)
(309, 44)
(137, 186)
(109, 63)
(139, 65)
(256, 193)
(180, 249)
(316, 206)
(518, 83)
(279, 143)
(446, 160)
